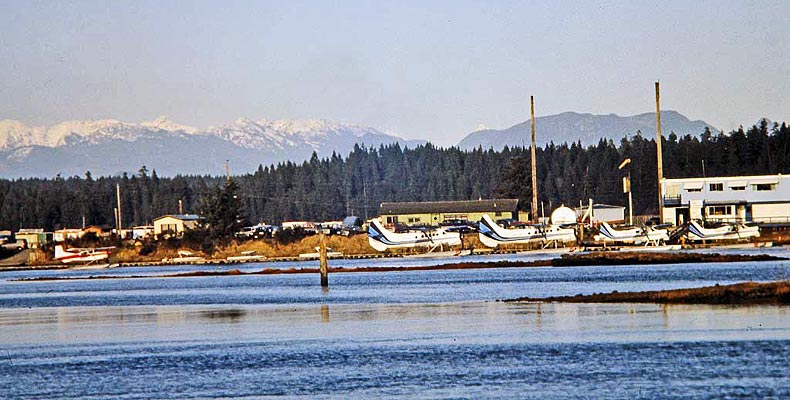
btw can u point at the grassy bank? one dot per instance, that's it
(738, 294)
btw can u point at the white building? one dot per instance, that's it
(603, 213)
(175, 224)
(63, 235)
(763, 199)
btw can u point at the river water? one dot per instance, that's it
(417, 334)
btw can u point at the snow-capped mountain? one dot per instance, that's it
(111, 146)
(15, 134)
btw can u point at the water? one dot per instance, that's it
(426, 334)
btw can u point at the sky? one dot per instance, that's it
(434, 70)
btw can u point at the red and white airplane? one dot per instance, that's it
(81, 255)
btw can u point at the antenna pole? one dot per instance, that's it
(118, 199)
(227, 170)
(534, 163)
(659, 157)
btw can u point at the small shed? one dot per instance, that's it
(175, 224)
(35, 238)
(604, 213)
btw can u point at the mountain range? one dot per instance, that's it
(109, 147)
(570, 127)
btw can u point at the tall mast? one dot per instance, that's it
(118, 199)
(534, 163)
(659, 158)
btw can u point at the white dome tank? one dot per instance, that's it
(563, 215)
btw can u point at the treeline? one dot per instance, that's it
(333, 187)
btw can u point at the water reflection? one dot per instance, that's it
(474, 322)
(224, 315)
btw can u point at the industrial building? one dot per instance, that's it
(433, 213)
(762, 199)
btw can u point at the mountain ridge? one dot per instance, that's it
(570, 127)
(111, 146)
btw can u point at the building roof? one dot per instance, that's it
(183, 217)
(435, 207)
(754, 179)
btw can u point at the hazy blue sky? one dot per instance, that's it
(422, 69)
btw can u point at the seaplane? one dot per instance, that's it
(636, 235)
(382, 239)
(736, 231)
(493, 235)
(82, 255)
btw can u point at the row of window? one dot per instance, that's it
(447, 217)
(720, 210)
(719, 187)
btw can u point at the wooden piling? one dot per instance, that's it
(659, 157)
(323, 265)
(533, 154)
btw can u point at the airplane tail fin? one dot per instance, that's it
(60, 252)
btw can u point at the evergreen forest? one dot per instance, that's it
(322, 189)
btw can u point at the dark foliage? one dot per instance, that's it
(331, 188)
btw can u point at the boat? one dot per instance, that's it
(493, 235)
(314, 256)
(382, 239)
(736, 231)
(644, 235)
(82, 255)
(184, 256)
(247, 256)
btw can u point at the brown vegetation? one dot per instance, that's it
(632, 258)
(740, 294)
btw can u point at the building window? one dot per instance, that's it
(738, 188)
(720, 210)
(414, 220)
(692, 190)
(716, 187)
(169, 228)
(392, 220)
(498, 213)
(763, 187)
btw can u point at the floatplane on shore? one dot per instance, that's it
(733, 232)
(493, 235)
(84, 258)
(644, 235)
(381, 239)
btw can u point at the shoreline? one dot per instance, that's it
(746, 293)
(573, 260)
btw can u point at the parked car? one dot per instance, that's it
(14, 246)
(352, 225)
(255, 232)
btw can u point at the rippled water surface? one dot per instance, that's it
(427, 334)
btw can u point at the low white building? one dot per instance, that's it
(63, 235)
(175, 225)
(763, 199)
(603, 213)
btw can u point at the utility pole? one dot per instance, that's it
(534, 163)
(659, 158)
(118, 199)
